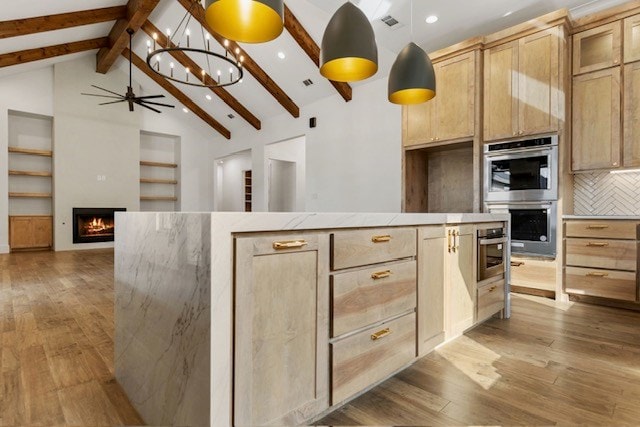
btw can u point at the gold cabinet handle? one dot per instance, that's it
(597, 274)
(380, 274)
(289, 244)
(456, 241)
(449, 240)
(381, 239)
(598, 245)
(517, 263)
(380, 334)
(597, 227)
(493, 288)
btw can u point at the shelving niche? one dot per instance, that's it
(159, 172)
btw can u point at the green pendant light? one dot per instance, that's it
(349, 52)
(247, 21)
(412, 79)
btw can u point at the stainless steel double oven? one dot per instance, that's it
(521, 178)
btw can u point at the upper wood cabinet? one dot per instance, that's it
(522, 94)
(451, 114)
(631, 118)
(632, 39)
(597, 48)
(596, 120)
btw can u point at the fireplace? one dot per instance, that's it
(92, 225)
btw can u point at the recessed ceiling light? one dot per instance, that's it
(507, 14)
(208, 97)
(281, 55)
(185, 110)
(431, 19)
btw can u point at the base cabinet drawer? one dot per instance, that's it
(363, 297)
(533, 273)
(371, 355)
(619, 285)
(601, 253)
(371, 246)
(490, 299)
(614, 229)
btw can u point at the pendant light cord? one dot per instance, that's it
(411, 20)
(130, 50)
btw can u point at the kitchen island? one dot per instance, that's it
(263, 318)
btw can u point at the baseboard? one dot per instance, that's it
(532, 291)
(4, 249)
(627, 305)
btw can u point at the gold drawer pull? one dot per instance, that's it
(381, 239)
(380, 274)
(493, 288)
(597, 274)
(598, 245)
(449, 240)
(380, 334)
(289, 244)
(597, 227)
(517, 263)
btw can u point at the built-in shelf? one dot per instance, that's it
(247, 191)
(158, 164)
(159, 198)
(30, 173)
(158, 181)
(33, 152)
(30, 195)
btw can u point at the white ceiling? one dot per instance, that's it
(458, 20)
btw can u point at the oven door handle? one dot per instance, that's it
(485, 242)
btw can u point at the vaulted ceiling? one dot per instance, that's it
(272, 85)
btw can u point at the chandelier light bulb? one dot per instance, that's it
(148, 43)
(155, 36)
(226, 43)
(168, 32)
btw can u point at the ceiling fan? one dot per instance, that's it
(130, 97)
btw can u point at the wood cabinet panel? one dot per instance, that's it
(539, 82)
(490, 299)
(596, 120)
(282, 302)
(30, 232)
(602, 229)
(432, 250)
(601, 253)
(632, 38)
(631, 117)
(455, 104)
(534, 273)
(371, 246)
(363, 297)
(612, 284)
(460, 296)
(501, 91)
(362, 359)
(597, 49)
(419, 123)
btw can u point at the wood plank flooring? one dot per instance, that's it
(56, 341)
(549, 365)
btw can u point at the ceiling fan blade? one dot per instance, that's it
(107, 90)
(150, 97)
(102, 96)
(154, 103)
(146, 106)
(113, 102)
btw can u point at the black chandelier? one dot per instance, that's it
(214, 69)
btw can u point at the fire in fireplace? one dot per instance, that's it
(92, 225)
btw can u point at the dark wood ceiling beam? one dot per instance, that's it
(187, 62)
(40, 24)
(137, 12)
(176, 93)
(306, 42)
(30, 55)
(250, 65)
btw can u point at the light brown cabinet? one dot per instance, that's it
(30, 232)
(596, 120)
(282, 306)
(450, 116)
(632, 38)
(597, 48)
(631, 116)
(460, 280)
(432, 253)
(522, 93)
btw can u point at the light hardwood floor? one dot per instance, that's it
(549, 364)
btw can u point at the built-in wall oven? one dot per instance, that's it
(491, 252)
(533, 226)
(522, 170)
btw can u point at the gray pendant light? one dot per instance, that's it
(247, 21)
(349, 52)
(412, 79)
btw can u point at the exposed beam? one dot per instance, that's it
(22, 27)
(137, 12)
(187, 62)
(176, 93)
(306, 42)
(249, 64)
(30, 55)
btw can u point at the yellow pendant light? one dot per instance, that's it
(349, 52)
(246, 21)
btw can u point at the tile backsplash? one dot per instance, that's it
(603, 193)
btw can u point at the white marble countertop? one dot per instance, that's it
(607, 217)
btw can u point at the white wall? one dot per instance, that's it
(292, 150)
(353, 156)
